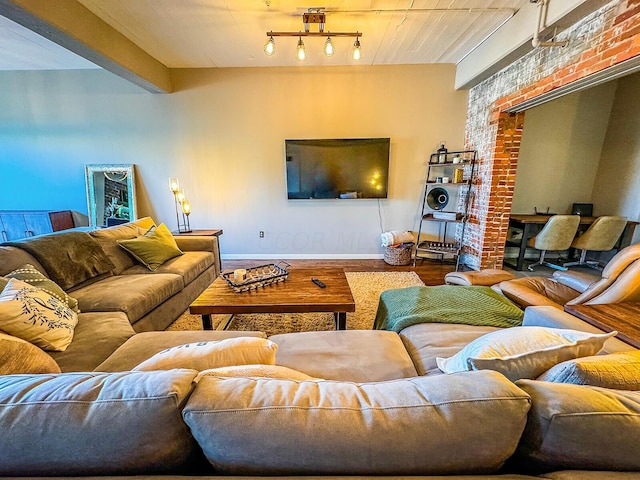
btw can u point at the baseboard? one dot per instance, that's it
(302, 256)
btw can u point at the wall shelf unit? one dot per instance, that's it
(446, 201)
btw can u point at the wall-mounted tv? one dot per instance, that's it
(337, 168)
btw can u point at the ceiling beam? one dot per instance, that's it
(74, 27)
(513, 39)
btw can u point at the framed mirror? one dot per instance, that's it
(111, 194)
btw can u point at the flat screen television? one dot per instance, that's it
(342, 168)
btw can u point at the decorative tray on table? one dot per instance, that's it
(257, 277)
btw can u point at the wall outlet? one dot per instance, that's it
(261, 234)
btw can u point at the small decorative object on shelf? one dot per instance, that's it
(256, 277)
(185, 205)
(442, 153)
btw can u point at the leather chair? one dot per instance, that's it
(619, 282)
(601, 236)
(557, 234)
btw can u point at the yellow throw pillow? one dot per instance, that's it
(213, 354)
(18, 356)
(619, 371)
(153, 248)
(33, 315)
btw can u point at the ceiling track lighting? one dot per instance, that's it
(315, 16)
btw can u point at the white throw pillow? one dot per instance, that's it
(213, 354)
(523, 352)
(260, 371)
(30, 313)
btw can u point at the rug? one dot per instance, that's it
(366, 288)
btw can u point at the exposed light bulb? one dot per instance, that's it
(174, 184)
(328, 48)
(270, 47)
(356, 50)
(186, 207)
(301, 53)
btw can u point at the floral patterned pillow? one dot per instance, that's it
(34, 315)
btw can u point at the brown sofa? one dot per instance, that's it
(376, 405)
(116, 294)
(619, 282)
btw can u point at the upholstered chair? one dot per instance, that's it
(601, 236)
(619, 282)
(557, 234)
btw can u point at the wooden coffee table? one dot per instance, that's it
(297, 294)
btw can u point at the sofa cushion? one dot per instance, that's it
(20, 356)
(620, 371)
(523, 352)
(550, 317)
(153, 248)
(263, 371)
(580, 427)
(414, 426)
(189, 266)
(204, 355)
(426, 341)
(96, 336)
(352, 355)
(12, 258)
(134, 295)
(108, 237)
(144, 345)
(94, 423)
(70, 257)
(34, 315)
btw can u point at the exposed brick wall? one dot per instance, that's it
(607, 37)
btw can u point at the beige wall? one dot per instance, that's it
(222, 133)
(561, 145)
(584, 147)
(617, 189)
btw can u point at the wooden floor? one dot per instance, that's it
(431, 273)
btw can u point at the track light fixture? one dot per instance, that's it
(328, 48)
(315, 16)
(301, 53)
(270, 47)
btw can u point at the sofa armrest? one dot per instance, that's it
(528, 291)
(201, 243)
(579, 281)
(546, 316)
(197, 243)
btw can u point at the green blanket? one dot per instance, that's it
(473, 305)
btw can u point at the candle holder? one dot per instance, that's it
(184, 204)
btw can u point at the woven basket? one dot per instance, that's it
(400, 255)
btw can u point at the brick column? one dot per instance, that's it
(605, 38)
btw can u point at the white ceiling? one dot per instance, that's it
(232, 33)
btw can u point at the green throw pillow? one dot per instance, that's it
(29, 274)
(153, 248)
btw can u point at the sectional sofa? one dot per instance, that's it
(338, 403)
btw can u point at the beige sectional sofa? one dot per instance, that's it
(369, 404)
